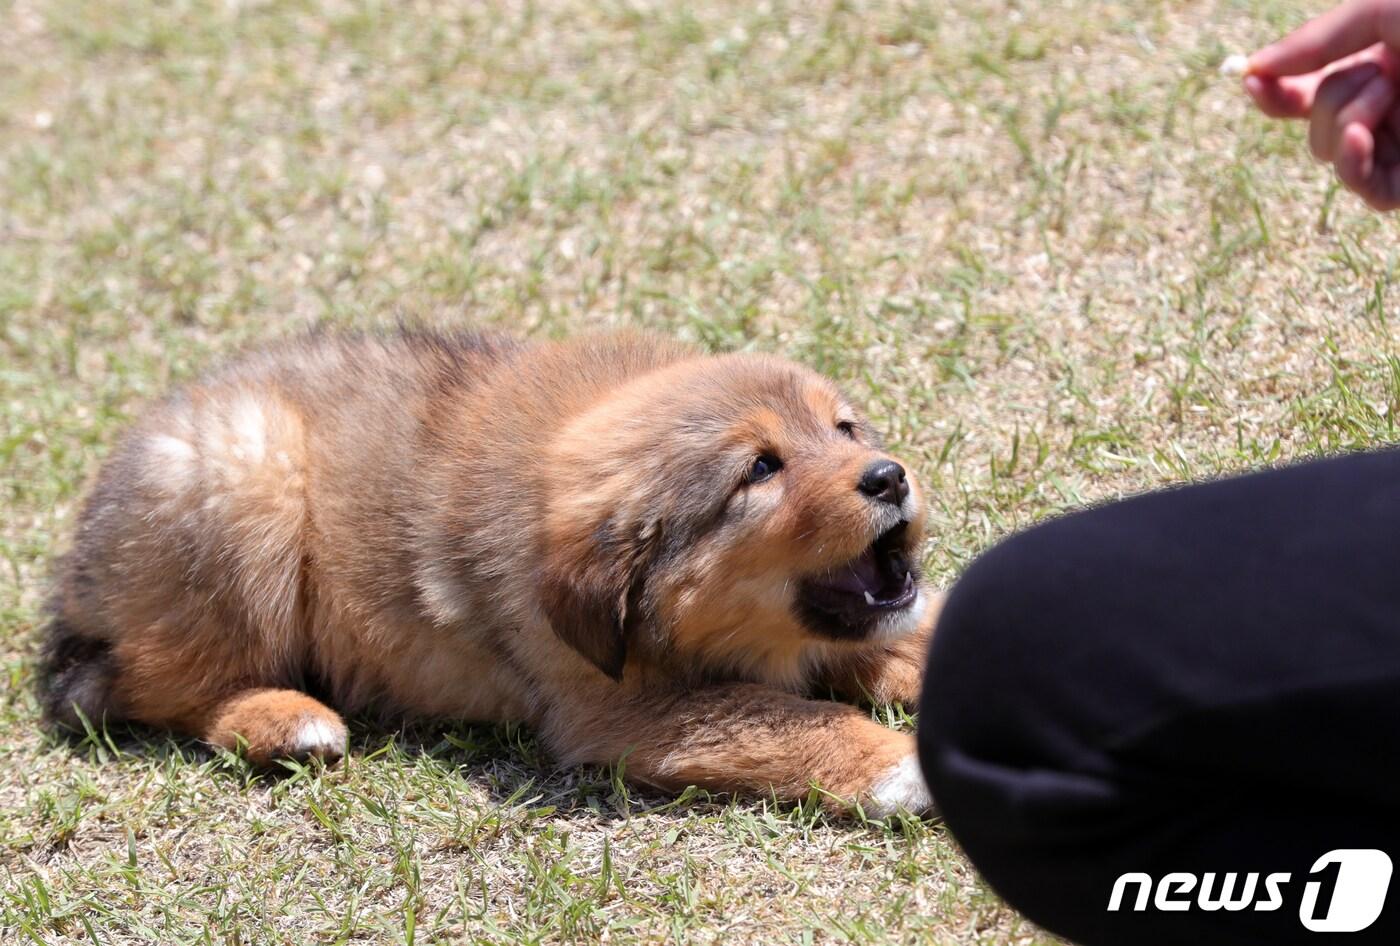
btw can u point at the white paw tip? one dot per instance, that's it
(902, 788)
(319, 737)
(1236, 65)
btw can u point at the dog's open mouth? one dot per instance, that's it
(881, 579)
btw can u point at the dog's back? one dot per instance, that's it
(208, 493)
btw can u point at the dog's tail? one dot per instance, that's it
(75, 675)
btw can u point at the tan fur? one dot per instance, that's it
(472, 528)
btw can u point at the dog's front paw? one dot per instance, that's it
(893, 671)
(900, 788)
(900, 680)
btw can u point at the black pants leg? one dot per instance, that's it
(1201, 680)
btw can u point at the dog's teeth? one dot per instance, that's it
(869, 598)
(908, 580)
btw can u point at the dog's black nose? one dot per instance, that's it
(884, 480)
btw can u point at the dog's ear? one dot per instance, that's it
(592, 590)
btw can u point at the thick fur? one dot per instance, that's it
(473, 528)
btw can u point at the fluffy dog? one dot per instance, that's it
(642, 551)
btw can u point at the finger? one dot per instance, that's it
(1387, 141)
(1339, 32)
(1387, 150)
(1292, 96)
(1371, 105)
(1287, 97)
(1376, 183)
(1336, 92)
(1386, 192)
(1356, 156)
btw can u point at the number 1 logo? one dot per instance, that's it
(1357, 881)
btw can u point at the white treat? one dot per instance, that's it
(1235, 65)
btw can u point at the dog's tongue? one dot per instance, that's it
(855, 577)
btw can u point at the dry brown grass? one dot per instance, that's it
(1051, 249)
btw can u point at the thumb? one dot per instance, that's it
(1339, 32)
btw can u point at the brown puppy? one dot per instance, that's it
(641, 550)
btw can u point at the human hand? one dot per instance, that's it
(1341, 72)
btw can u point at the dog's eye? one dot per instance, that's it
(847, 427)
(764, 467)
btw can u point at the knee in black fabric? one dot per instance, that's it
(1021, 651)
(1016, 716)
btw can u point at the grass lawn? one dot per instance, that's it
(1044, 242)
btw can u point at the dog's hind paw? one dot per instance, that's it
(271, 724)
(318, 738)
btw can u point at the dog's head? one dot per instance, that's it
(726, 512)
